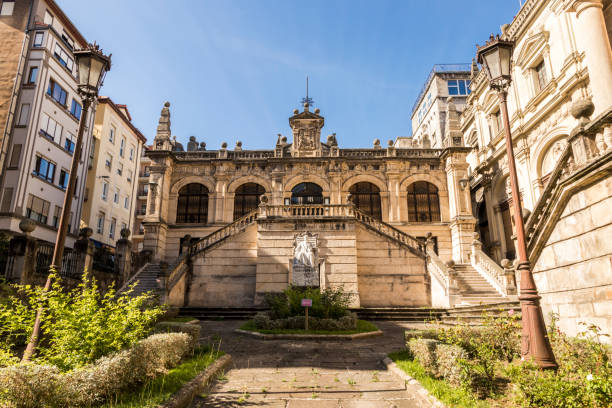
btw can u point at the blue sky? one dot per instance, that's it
(235, 70)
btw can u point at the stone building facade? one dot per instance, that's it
(112, 180)
(39, 114)
(429, 111)
(391, 225)
(560, 103)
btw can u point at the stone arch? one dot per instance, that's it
(543, 146)
(436, 180)
(205, 180)
(173, 195)
(237, 182)
(307, 178)
(382, 186)
(433, 179)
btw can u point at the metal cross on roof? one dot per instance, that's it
(307, 100)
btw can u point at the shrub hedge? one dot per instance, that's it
(193, 330)
(32, 385)
(265, 321)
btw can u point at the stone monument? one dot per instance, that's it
(305, 263)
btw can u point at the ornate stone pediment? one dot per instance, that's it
(531, 49)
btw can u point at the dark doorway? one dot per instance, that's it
(307, 193)
(247, 198)
(366, 197)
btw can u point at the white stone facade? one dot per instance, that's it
(561, 59)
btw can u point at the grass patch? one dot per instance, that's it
(156, 391)
(449, 395)
(362, 327)
(180, 319)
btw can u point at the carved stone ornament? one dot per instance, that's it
(305, 267)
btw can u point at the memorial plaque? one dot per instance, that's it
(305, 268)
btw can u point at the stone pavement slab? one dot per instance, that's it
(308, 373)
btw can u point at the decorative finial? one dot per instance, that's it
(167, 104)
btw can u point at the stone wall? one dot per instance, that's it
(225, 276)
(574, 271)
(389, 275)
(337, 249)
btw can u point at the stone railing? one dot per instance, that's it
(230, 229)
(539, 213)
(389, 152)
(176, 273)
(502, 279)
(305, 211)
(363, 153)
(588, 150)
(406, 240)
(445, 277)
(250, 154)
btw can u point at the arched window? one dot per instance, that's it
(307, 193)
(366, 197)
(192, 204)
(423, 202)
(247, 198)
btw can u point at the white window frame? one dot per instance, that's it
(7, 8)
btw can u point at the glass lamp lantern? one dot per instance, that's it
(496, 58)
(93, 65)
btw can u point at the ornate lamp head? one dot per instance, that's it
(496, 58)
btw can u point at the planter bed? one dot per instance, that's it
(363, 329)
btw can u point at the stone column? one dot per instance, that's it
(592, 38)
(462, 222)
(123, 256)
(23, 250)
(84, 249)
(393, 203)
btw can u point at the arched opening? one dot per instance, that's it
(423, 202)
(192, 206)
(246, 198)
(307, 193)
(366, 197)
(483, 228)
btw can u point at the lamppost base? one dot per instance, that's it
(534, 339)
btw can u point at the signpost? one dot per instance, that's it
(306, 303)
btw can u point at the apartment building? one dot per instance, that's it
(112, 179)
(41, 114)
(429, 111)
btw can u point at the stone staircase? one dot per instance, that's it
(474, 288)
(220, 313)
(404, 314)
(146, 280)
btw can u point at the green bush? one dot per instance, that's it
(421, 334)
(450, 359)
(497, 340)
(329, 303)
(583, 379)
(31, 385)
(78, 326)
(192, 330)
(424, 351)
(346, 322)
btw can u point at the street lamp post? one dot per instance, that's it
(92, 65)
(495, 57)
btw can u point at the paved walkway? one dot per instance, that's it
(296, 374)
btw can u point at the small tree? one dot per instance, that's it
(79, 326)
